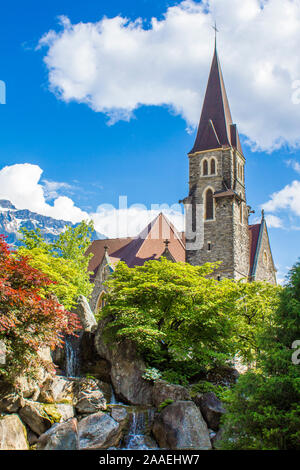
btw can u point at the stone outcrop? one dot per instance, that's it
(162, 391)
(211, 409)
(10, 400)
(127, 369)
(99, 431)
(119, 414)
(62, 436)
(34, 416)
(225, 376)
(85, 314)
(181, 426)
(56, 389)
(89, 397)
(13, 434)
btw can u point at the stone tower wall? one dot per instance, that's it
(228, 238)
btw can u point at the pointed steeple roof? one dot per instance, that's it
(216, 128)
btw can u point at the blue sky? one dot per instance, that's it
(64, 132)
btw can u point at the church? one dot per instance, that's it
(217, 192)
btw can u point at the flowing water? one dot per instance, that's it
(72, 356)
(138, 436)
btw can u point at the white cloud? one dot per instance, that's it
(294, 164)
(52, 188)
(287, 198)
(273, 221)
(116, 65)
(128, 222)
(21, 185)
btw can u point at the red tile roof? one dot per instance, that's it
(148, 245)
(254, 235)
(216, 128)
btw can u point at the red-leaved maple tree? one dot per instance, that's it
(30, 319)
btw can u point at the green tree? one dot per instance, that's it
(181, 320)
(264, 406)
(63, 261)
(30, 318)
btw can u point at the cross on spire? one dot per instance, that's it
(214, 27)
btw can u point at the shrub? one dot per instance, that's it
(30, 318)
(264, 406)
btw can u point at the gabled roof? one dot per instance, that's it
(216, 128)
(254, 231)
(148, 245)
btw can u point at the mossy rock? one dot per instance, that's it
(52, 413)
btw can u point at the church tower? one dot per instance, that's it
(217, 186)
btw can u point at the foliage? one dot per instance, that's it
(203, 386)
(182, 320)
(63, 261)
(151, 374)
(264, 406)
(165, 403)
(30, 318)
(175, 375)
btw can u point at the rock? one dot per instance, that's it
(100, 369)
(57, 389)
(65, 410)
(211, 409)
(181, 426)
(127, 369)
(89, 397)
(225, 376)
(32, 437)
(85, 314)
(162, 390)
(13, 434)
(119, 414)
(35, 417)
(10, 401)
(99, 431)
(215, 440)
(62, 436)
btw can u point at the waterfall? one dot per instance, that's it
(72, 355)
(113, 400)
(138, 434)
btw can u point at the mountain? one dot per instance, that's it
(13, 219)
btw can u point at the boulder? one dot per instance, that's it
(127, 369)
(211, 409)
(62, 436)
(10, 401)
(13, 434)
(35, 417)
(119, 414)
(89, 397)
(59, 412)
(99, 431)
(85, 314)
(181, 426)
(225, 376)
(163, 390)
(57, 389)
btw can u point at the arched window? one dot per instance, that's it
(205, 168)
(100, 302)
(209, 205)
(213, 166)
(265, 259)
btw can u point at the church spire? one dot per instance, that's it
(216, 128)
